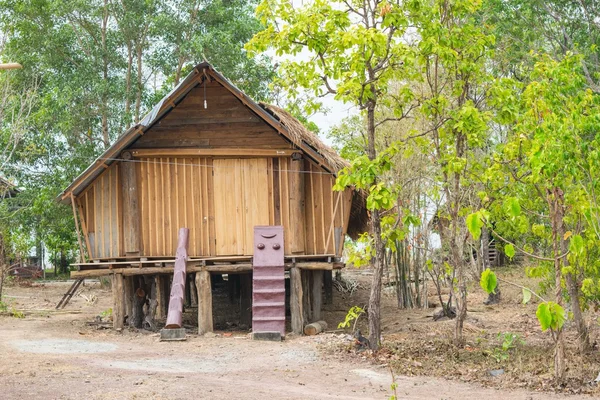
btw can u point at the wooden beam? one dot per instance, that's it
(118, 301)
(187, 152)
(296, 305)
(296, 206)
(205, 316)
(223, 269)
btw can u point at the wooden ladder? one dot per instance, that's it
(63, 302)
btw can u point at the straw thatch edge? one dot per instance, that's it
(299, 134)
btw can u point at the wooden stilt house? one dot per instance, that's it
(209, 158)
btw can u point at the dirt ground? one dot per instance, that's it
(57, 355)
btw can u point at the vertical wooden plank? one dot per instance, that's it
(177, 197)
(162, 211)
(151, 204)
(156, 196)
(185, 192)
(205, 317)
(211, 204)
(170, 231)
(106, 204)
(111, 189)
(194, 203)
(207, 201)
(297, 205)
(97, 232)
(276, 194)
(131, 215)
(143, 205)
(284, 202)
(270, 197)
(255, 192)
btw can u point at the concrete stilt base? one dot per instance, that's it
(177, 334)
(270, 336)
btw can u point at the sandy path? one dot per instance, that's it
(56, 356)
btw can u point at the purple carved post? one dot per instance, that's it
(178, 288)
(268, 283)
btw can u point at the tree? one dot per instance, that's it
(453, 52)
(539, 176)
(100, 64)
(353, 49)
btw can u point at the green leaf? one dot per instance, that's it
(550, 315)
(526, 295)
(488, 281)
(543, 315)
(474, 225)
(509, 250)
(512, 206)
(577, 246)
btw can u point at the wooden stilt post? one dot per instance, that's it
(205, 316)
(193, 292)
(118, 299)
(128, 294)
(188, 294)
(160, 297)
(328, 286)
(296, 300)
(306, 293)
(232, 281)
(246, 300)
(166, 292)
(137, 303)
(317, 294)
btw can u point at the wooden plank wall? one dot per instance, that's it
(243, 199)
(102, 210)
(325, 210)
(219, 210)
(174, 193)
(225, 123)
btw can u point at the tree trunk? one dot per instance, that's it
(104, 105)
(3, 265)
(556, 206)
(140, 86)
(583, 336)
(128, 84)
(374, 311)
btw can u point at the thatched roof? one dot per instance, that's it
(300, 135)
